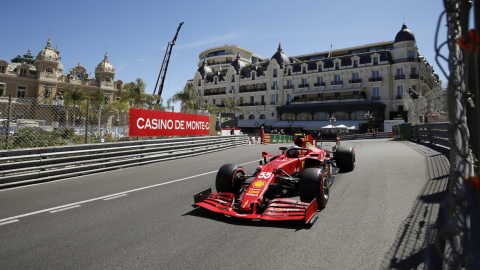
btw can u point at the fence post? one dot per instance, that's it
(86, 121)
(9, 112)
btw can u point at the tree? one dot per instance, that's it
(135, 91)
(75, 96)
(212, 108)
(189, 98)
(231, 105)
(99, 99)
(151, 103)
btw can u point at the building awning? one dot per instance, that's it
(270, 122)
(328, 91)
(295, 124)
(251, 123)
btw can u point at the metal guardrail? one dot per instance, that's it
(436, 133)
(27, 166)
(378, 135)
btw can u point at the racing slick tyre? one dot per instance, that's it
(345, 158)
(314, 184)
(228, 179)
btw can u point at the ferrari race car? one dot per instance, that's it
(301, 170)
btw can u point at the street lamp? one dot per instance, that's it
(332, 121)
(368, 116)
(290, 124)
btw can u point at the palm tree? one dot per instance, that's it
(134, 91)
(99, 98)
(231, 105)
(151, 103)
(189, 98)
(212, 108)
(75, 96)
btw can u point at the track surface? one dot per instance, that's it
(141, 218)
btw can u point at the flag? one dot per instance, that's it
(330, 52)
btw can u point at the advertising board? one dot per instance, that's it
(149, 123)
(388, 124)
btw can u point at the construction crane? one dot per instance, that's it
(163, 69)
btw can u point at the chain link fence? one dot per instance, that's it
(31, 122)
(431, 107)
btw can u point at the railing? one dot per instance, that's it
(272, 102)
(376, 98)
(274, 88)
(330, 98)
(398, 97)
(375, 79)
(433, 133)
(252, 90)
(408, 59)
(378, 135)
(288, 87)
(336, 82)
(213, 94)
(414, 76)
(33, 165)
(399, 77)
(319, 84)
(302, 85)
(355, 81)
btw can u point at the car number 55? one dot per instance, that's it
(265, 175)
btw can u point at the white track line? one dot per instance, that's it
(8, 222)
(108, 196)
(63, 209)
(114, 197)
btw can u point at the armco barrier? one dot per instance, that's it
(25, 166)
(434, 133)
(379, 135)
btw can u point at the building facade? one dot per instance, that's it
(44, 78)
(310, 91)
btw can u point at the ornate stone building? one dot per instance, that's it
(306, 91)
(44, 77)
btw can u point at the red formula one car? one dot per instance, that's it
(303, 170)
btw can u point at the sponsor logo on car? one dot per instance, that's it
(253, 191)
(259, 183)
(250, 194)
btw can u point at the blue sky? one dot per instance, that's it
(137, 32)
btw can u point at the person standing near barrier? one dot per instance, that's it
(232, 132)
(281, 132)
(261, 134)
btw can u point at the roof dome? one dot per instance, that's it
(105, 65)
(204, 69)
(48, 53)
(280, 57)
(404, 35)
(59, 67)
(238, 64)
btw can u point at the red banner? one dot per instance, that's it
(147, 123)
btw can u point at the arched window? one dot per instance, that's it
(263, 116)
(251, 117)
(253, 75)
(304, 70)
(275, 72)
(321, 116)
(375, 61)
(355, 63)
(337, 65)
(304, 116)
(341, 115)
(357, 115)
(241, 117)
(320, 67)
(287, 116)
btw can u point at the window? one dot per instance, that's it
(341, 115)
(304, 81)
(262, 99)
(355, 63)
(275, 72)
(304, 116)
(275, 85)
(337, 78)
(251, 117)
(199, 82)
(321, 116)
(289, 98)
(320, 80)
(400, 90)
(410, 54)
(263, 116)
(287, 116)
(23, 72)
(399, 71)
(199, 92)
(21, 91)
(251, 99)
(2, 69)
(337, 65)
(233, 78)
(414, 71)
(253, 75)
(254, 59)
(289, 71)
(274, 98)
(376, 91)
(2, 90)
(233, 88)
(241, 117)
(304, 70)
(355, 77)
(241, 100)
(320, 67)
(213, 101)
(318, 57)
(289, 83)
(414, 88)
(375, 74)
(375, 61)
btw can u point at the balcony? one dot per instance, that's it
(398, 97)
(288, 87)
(319, 84)
(344, 97)
(274, 75)
(399, 77)
(274, 88)
(302, 85)
(355, 81)
(272, 102)
(253, 90)
(403, 60)
(414, 76)
(336, 83)
(376, 98)
(215, 93)
(375, 79)
(252, 104)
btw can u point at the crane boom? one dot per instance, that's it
(166, 59)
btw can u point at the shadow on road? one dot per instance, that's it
(204, 213)
(409, 248)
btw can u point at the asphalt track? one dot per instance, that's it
(141, 217)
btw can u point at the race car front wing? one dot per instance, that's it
(277, 209)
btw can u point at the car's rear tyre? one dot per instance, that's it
(314, 185)
(345, 158)
(228, 179)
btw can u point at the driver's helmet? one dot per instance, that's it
(293, 153)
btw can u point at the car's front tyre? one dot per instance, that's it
(228, 179)
(314, 185)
